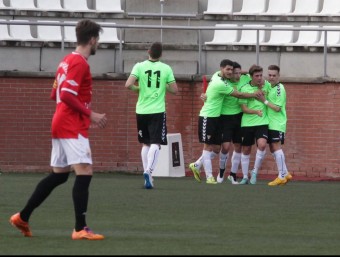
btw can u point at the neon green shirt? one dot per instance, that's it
(277, 120)
(230, 104)
(216, 92)
(152, 79)
(250, 120)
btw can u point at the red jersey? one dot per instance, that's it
(73, 75)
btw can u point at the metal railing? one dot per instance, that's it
(199, 29)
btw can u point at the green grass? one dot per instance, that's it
(178, 217)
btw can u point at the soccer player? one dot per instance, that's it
(231, 116)
(254, 125)
(276, 110)
(209, 124)
(155, 78)
(72, 91)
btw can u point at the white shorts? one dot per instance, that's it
(70, 151)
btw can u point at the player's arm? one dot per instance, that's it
(239, 94)
(269, 104)
(172, 88)
(74, 103)
(53, 95)
(245, 109)
(130, 83)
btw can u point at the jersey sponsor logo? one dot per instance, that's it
(72, 82)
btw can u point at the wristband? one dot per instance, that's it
(266, 102)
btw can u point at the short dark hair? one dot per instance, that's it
(155, 50)
(87, 29)
(236, 65)
(226, 62)
(274, 67)
(255, 68)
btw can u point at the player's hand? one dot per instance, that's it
(203, 97)
(99, 119)
(259, 113)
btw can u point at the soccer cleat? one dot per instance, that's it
(148, 180)
(278, 182)
(23, 226)
(219, 179)
(289, 177)
(244, 181)
(232, 180)
(195, 171)
(211, 180)
(253, 178)
(87, 234)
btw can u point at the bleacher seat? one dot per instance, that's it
(333, 37)
(224, 37)
(20, 32)
(109, 35)
(307, 37)
(329, 8)
(109, 6)
(23, 4)
(219, 7)
(77, 6)
(50, 33)
(4, 33)
(252, 7)
(249, 37)
(279, 37)
(70, 32)
(279, 7)
(306, 7)
(3, 6)
(50, 5)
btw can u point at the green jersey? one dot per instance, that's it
(230, 105)
(152, 76)
(250, 120)
(216, 92)
(277, 120)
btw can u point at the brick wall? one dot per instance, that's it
(312, 140)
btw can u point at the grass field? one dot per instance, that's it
(178, 217)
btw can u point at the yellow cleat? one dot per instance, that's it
(289, 177)
(195, 171)
(278, 182)
(211, 180)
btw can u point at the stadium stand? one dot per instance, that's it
(279, 37)
(223, 37)
(333, 37)
(21, 32)
(69, 32)
(306, 7)
(329, 8)
(219, 7)
(23, 4)
(49, 33)
(279, 7)
(50, 5)
(4, 33)
(77, 6)
(109, 35)
(109, 6)
(249, 37)
(306, 37)
(251, 7)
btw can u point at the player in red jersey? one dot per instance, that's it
(72, 91)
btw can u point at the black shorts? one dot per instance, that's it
(252, 134)
(231, 128)
(209, 130)
(152, 128)
(276, 136)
